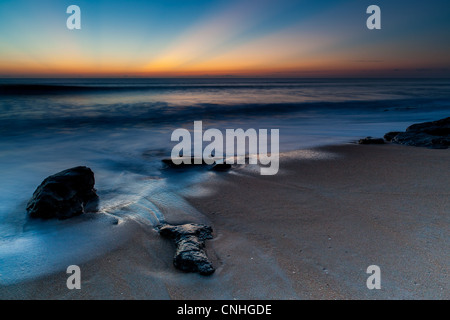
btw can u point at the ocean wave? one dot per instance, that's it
(19, 87)
(160, 113)
(53, 89)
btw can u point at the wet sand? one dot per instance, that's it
(309, 232)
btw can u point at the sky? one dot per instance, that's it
(267, 38)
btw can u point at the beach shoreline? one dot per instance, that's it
(309, 232)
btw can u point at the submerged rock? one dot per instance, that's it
(222, 167)
(64, 195)
(192, 160)
(370, 140)
(435, 134)
(218, 165)
(190, 239)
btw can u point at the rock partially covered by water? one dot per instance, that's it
(370, 140)
(221, 167)
(192, 161)
(434, 135)
(64, 195)
(190, 239)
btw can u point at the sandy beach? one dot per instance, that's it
(309, 232)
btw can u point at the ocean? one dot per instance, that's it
(121, 128)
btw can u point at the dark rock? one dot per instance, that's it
(218, 164)
(422, 140)
(222, 167)
(190, 254)
(170, 163)
(391, 135)
(435, 128)
(64, 195)
(434, 135)
(370, 140)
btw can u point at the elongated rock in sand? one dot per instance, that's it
(370, 140)
(64, 195)
(190, 239)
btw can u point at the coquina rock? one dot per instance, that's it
(370, 140)
(391, 135)
(435, 134)
(190, 255)
(64, 195)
